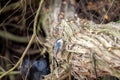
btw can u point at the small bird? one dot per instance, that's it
(35, 70)
(57, 48)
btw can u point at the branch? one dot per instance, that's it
(29, 44)
(12, 37)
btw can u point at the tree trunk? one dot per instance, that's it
(90, 50)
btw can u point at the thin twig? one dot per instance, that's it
(20, 60)
(29, 44)
(94, 63)
(12, 73)
(7, 35)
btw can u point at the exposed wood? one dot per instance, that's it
(94, 49)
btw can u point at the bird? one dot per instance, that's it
(58, 45)
(35, 69)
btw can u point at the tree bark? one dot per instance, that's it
(90, 49)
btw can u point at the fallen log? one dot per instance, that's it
(90, 50)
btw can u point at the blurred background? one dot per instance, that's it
(16, 28)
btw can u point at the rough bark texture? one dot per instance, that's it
(90, 49)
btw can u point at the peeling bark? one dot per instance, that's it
(91, 49)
